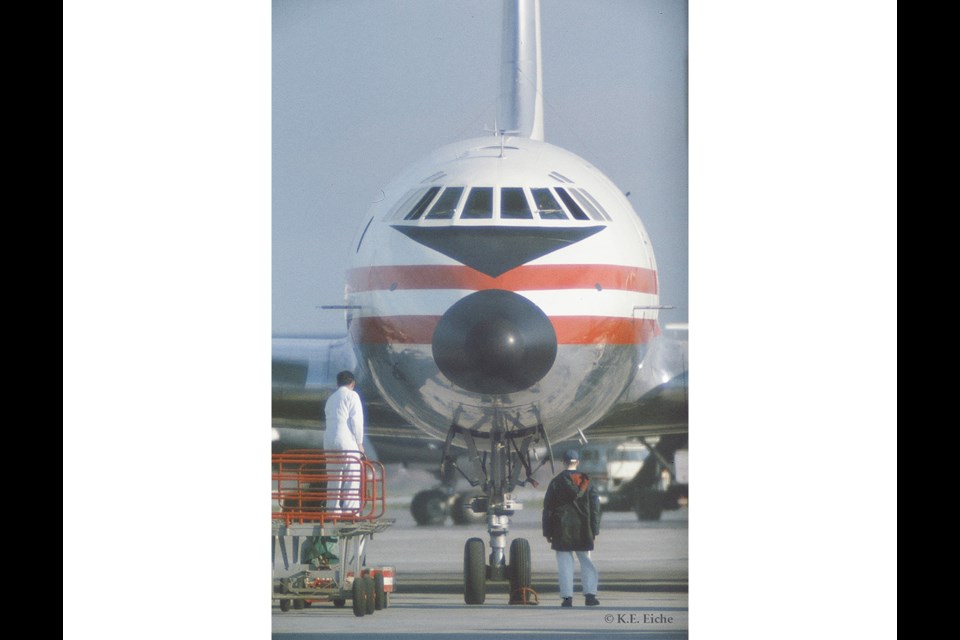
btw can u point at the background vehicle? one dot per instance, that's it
(632, 475)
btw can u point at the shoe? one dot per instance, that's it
(567, 602)
(591, 600)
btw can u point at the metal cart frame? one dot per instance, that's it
(334, 494)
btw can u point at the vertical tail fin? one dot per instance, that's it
(521, 74)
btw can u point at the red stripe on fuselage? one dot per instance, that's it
(394, 329)
(524, 278)
(595, 330)
(569, 329)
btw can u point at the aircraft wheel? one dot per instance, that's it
(379, 595)
(371, 594)
(519, 566)
(429, 507)
(298, 604)
(359, 597)
(649, 505)
(474, 572)
(649, 514)
(339, 603)
(461, 512)
(284, 605)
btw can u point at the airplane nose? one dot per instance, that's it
(494, 342)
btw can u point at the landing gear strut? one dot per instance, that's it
(507, 453)
(656, 487)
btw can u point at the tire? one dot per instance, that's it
(519, 566)
(474, 572)
(649, 505)
(371, 594)
(298, 604)
(461, 512)
(429, 507)
(285, 602)
(379, 595)
(359, 597)
(339, 603)
(648, 514)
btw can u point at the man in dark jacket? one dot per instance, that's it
(571, 520)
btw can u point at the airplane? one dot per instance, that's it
(503, 296)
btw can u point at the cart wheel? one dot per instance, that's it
(284, 587)
(298, 604)
(371, 594)
(339, 603)
(379, 595)
(359, 598)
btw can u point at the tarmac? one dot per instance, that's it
(643, 585)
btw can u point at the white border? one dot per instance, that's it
(166, 306)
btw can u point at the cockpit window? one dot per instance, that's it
(446, 204)
(422, 204)
(583, 202)
(513, 204)
(479, 204)
(403, 205)
(595, 204)
(572, 206)
(547, 205)
(438, 202)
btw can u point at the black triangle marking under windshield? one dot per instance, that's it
(496, 250)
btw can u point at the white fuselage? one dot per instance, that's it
(502, 271)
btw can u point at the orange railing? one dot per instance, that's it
(316, 486)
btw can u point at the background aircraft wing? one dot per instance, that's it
(304, 370)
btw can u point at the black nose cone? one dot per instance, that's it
(494, 342)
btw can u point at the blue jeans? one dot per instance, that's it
(588, 572)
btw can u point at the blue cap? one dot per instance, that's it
(571, 455)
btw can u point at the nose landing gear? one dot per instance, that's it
(508, 455)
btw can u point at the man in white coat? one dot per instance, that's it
(344, 432)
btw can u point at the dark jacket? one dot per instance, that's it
(571, 512)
